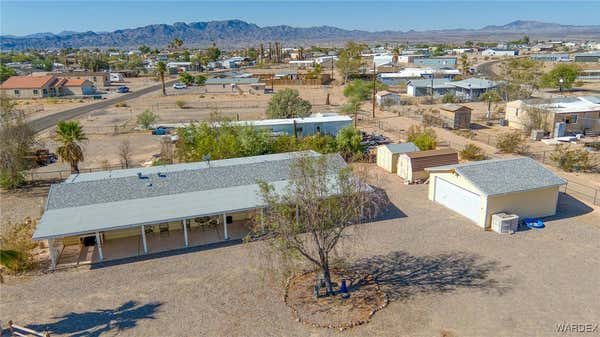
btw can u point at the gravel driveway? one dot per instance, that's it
(443, 275)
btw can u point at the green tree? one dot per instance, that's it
(146, 118)
(349, 60)
(213, 53)
(308, 219)
(16, 246)
(490, 96)
(6, 72)
(161, 69)
(424, 138)
(176, 43)
(200, 79)
(186, 78)
(144, 49)
(465, 65)
(16, 141)
(349, 144)
(362, 90)
(287, 103)
(70, 135)
(567, 72)
(319, 143)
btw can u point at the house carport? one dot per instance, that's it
(141, 226)
(480, 189)
(132, 212)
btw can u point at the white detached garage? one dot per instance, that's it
(480, 189)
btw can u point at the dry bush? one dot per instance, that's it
(512, 142)
(16, 237)
(472, 152)
(121, 105)
(181, 104)
(570, 159)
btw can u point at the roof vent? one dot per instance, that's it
(149, 184)
(162, 175)
(141, 176)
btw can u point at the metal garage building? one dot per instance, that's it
(478, 190)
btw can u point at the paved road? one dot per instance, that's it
(485, 68)
(46, 122)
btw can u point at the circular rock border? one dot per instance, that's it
(341, 326)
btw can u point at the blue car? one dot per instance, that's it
(122, 90)
(160, 131)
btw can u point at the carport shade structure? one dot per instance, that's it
(519, 185)
(91, 203)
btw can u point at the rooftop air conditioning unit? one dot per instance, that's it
(505, 223)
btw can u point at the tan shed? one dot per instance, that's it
(387, 155)
(411, 166)
(481, 189)
(456, 116)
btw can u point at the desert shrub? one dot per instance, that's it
(472, 152)
(52, 100)
(571, 159)
(181, 104)
(200, 79)
(449, 98)
(465, 133)
(349, 143)
(16, 239)
(423, 138)
(146, 118)
(11, 179)
(512, 142)
(121, 105)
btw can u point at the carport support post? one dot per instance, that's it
(185, 236)
(99, 245)
(144, 240)
(225, 236)
(52, 252)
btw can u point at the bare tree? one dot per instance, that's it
(309, 217)
(536, 119)
(125, 153)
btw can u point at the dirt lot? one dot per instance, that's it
(442, 273)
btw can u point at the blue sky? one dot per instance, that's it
(26, 17)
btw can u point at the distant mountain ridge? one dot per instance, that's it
(237, 33)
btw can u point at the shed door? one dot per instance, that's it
(458, 199)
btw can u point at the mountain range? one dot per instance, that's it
(237, 33)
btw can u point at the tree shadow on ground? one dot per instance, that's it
(402, 276)
(95, 323)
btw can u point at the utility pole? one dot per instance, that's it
(374, 87)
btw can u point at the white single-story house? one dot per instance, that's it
(124, 213)
(387, 98)
(480, 189)
(499, 52)
(412, 165)
(387, 155)
(234, 85)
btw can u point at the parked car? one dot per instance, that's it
(160, 131)
(122, 89)
(179, 85)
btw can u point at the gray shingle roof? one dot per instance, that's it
(236, 80)
(503, 176)
(173, 181)
(402, 147)
(475, 83)
(104, 201)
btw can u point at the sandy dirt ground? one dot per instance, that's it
(443, 276)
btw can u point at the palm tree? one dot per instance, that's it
(490, 96)
(161, 69)
(70, 134)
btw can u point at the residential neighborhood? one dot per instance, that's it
(331, 176)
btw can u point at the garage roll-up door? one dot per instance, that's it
(458, 199)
